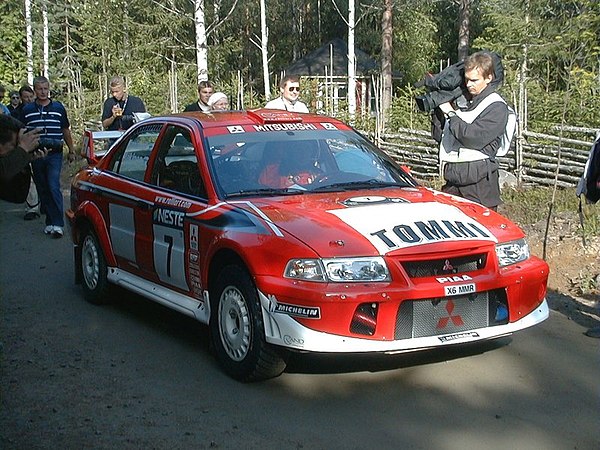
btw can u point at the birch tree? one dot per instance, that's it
(264, 41)
(201, 44)
(351, 61)
(29, 32)
(46, 35)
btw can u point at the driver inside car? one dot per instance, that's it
(288, 163)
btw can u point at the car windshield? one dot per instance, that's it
(294, 162)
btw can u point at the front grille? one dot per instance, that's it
(446, 315)
(445, 266)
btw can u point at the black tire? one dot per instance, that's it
(237, 329)
(93, 269)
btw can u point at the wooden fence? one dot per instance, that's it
(533, 158)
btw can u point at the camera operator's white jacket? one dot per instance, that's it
(478, 146)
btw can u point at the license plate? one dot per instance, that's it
(459, 289)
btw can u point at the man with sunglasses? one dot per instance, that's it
(289, 87)
(15, 101)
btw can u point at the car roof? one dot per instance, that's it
(257, 117)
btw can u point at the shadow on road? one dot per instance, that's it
(325, 363)
(194, 334)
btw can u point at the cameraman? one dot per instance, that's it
(472, 136)
(17, 147)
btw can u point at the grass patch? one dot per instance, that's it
(529, 205)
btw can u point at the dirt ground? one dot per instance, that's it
(574, 283)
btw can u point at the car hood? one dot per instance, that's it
(390, 221)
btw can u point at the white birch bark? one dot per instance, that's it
(264, 41)
(46, 37)
(29, 33)
(351, 61)
(201, 44)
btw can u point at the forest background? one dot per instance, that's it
(550, 46)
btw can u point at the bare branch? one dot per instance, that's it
(214, 26)
(340, 13)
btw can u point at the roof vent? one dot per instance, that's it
(265, 116)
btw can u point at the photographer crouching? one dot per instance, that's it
(475, 134)
(18, 148)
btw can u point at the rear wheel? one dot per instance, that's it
(93, 269)
(237, 328)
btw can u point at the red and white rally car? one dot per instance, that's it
(292, 232)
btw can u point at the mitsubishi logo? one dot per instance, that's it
(447, 266)
(456, 320)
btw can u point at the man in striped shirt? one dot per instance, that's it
(51, 117)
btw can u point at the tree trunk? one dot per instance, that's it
(46, 34)
(264, 41)
(29, 42)
(464, 24)
(201, 46)
(351, 61)
(386, 59)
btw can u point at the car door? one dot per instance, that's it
(126, 198)
(170, 241)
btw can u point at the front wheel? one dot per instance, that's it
(237, 328)
(93, 269)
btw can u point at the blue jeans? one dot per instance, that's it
(46, 175)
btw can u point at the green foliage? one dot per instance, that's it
(12, 64)
(404, 113)
(92, 40)
(414, 42)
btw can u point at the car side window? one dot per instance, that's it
(176, 166)
(132, 160)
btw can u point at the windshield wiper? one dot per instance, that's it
(266, 192)
(350, 185)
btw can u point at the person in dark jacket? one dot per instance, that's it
(117, 111)
(17, 147)
(473, 135)
(205, 90)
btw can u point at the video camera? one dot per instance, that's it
(449, 84)
(50, 143)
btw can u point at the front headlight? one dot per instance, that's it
(339, 270)
(512, 252)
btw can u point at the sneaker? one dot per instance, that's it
(31, 215)
(57, 232)
(48, 229)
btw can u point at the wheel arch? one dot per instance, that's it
(223, 258)
(88, 215)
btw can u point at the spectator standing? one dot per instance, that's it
(205, 90)
(472, 136)
(26, 96)
(3, 107)
(117, 112)
(289, 89)
(218, 102)
(32, 202)
(15, 100)
(51, 117)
